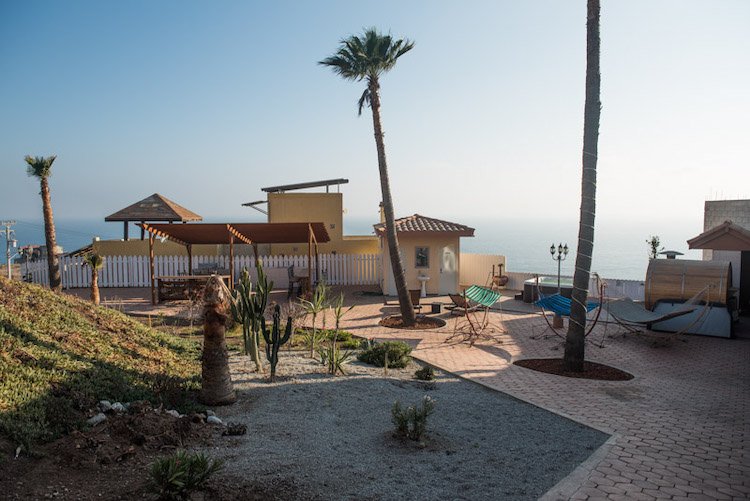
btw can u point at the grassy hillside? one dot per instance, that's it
(59, 355)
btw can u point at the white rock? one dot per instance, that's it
(97, 419)
(174, 413)
(118, 407)
(209, 412)
(105, 406)
(214, 419)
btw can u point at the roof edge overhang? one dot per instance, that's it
(727, 236)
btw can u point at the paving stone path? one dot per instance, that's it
(679, 429)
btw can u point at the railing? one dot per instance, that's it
(134, 271)
(616, 288)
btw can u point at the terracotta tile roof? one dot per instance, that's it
(154, 208)
(726, 236)
(422, 224)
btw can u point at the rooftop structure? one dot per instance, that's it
(302, 186)
(153, 208)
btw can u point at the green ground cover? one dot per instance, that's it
(59, 355)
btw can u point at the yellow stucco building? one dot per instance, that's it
(430, 251)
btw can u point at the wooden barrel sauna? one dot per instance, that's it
(681, 279)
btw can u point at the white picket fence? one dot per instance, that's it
(134, 271)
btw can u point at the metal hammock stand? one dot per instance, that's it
(476, 321)
(635, 318)
(560, 306)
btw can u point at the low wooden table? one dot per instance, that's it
(182, 286)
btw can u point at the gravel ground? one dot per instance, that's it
(332, 437)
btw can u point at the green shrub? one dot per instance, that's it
(398, 354)
(327, 335)
(352, 344)
(426, 373)
(176, 476)
(412, 422)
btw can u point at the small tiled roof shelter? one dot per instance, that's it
(729, 241)
(430, 250)
(417, 224)
(153, 208)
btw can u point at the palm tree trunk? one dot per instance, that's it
(575, 340)
(216, 388)
(404, 300)
(53, 265)
(94, 286)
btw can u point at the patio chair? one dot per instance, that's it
(415, 295)
(293, 280)
(560, 306)
(461, 306)
(635, 318)
(474, 326)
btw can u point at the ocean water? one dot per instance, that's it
(620, 249)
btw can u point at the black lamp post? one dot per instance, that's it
(562, 253)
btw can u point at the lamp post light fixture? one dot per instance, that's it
(559, 254)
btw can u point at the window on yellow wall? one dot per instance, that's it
(422, 257)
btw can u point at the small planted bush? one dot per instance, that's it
(426, 373)
(176, 476)
(411, 423)
(352, 344)
(397, 352)
(328, 335)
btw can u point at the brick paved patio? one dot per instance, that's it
(679, 428)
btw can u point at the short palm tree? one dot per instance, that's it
(367, 57)
(96, 263)
(576, 338)
(216, 386)
(39, 167)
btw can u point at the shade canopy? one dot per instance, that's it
(249, 233)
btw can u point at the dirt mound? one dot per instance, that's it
(110, 461)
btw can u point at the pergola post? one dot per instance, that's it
(309, 256)
(151, 261)
(125, 231)
(189, 248)
(231, 262)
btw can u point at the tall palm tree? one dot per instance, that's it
(575, 340)
(367, 57)
(95, 262)
(39, 167)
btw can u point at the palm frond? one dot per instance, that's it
(365, 99)
(39, 167)
(94, 260)
(368, 55)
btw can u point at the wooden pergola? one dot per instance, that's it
(245, 233)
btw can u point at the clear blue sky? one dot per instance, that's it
(207, 102)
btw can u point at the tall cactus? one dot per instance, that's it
(248, 309)
(274, 339)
